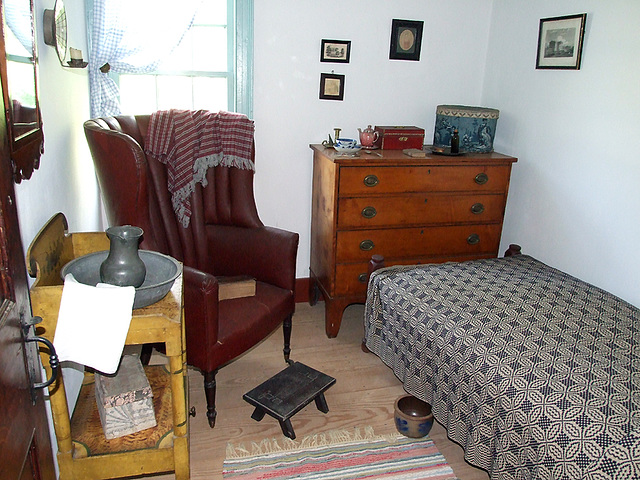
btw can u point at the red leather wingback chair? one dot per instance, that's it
(225, 237)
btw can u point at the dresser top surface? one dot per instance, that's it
(383, 157)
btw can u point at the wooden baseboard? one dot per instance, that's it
(302, 289)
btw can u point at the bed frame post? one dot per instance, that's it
(376, 263)
(513, 250)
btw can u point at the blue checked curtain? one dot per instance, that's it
(131, 36)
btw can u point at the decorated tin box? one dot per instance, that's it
(476, 127)
(125, 400)
(399, 138)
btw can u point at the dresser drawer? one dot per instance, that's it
(352, 278)
(359, 245)
(420, 209)
(376, 180)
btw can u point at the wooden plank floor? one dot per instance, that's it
(363, 395)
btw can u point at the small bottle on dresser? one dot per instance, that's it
(455, 142)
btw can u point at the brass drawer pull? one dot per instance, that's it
(366, 245)
(362, 278)
(477, 208)
(482, 178)
(369, 212)
(371, 180)
(473, 239)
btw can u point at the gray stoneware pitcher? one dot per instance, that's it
(123, 266)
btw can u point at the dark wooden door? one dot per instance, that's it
(25, 447)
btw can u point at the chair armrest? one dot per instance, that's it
(266, 253)
(200, 313)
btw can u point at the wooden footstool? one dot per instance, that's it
(288, 392)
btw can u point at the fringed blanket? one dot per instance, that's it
(534, 372)
(190, 142)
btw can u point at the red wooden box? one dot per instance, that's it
(399, 138)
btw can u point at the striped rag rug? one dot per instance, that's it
(331, 456)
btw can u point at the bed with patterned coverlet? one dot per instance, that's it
(535, 373)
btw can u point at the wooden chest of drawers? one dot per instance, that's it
(410, 210)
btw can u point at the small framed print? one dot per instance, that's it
(336, 51)
(560, 42)
(406, 39)
(331, 86)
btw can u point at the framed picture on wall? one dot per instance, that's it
(406, 39)
(336, 51)
(560, 42)
(331, 86)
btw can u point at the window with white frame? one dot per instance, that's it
(210, 69)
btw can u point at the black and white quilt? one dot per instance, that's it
(536, 374)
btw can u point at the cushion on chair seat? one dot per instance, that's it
(245, 321)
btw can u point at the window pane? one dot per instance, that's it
(174, 92)
(204, 50)
(212, 12)
(210, 49)
(182, 57)
(210, 93)
(138, 94)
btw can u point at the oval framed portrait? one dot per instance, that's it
(406, 39)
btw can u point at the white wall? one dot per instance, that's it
(289, 115)
(574, 199)
(65, 181)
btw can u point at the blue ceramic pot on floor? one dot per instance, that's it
(413, 417)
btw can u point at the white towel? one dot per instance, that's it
(93, 323)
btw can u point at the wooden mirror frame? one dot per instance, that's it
(26, 139)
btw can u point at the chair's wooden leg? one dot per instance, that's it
(286, 329)
(210, 394)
